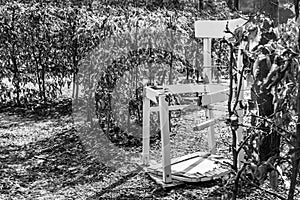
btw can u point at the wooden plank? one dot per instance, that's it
(211, 88)
(197, 168)
(216, 158)
(190, 107)
(206, 124)
(215, 97)
(190, 98)
(221, 108)
(146, 131)
(207, 71)
(182, 159)
(175, 176)
(216, 28)
(186, 88)
(211, 133)
(152, 94)
(190, 156)
(165, 139)
(181, 107)
(175, 107)
(197, 165)
(158, 180)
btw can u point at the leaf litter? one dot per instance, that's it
(49, 158)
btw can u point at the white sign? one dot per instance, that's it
(216, 28)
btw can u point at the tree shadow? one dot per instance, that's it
(59, 161)
(37, 112)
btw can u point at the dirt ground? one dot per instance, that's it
(47, 156)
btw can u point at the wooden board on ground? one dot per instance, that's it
(192, 168)
(158, 180)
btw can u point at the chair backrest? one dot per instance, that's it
(208, 29)
(216, 28)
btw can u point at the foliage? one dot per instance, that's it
(41, 46)
(147, 53)
(269, 56)
(45, 47)
(55, 40)
(12, 50)
(149, 48)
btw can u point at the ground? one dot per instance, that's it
(43, 156)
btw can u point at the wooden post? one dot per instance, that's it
(165, 139)
(146, 130)
(211, 132)
(207, 71)
(208, 76)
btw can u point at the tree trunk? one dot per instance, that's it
(296, 155)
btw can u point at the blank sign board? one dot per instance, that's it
(216, 28)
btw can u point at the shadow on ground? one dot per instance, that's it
(69, 163)
(36, 111)
(52, 163)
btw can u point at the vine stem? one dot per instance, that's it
(237, 179)
(239, 87)
(281, 134)
(243, 144)
(230, 111)
(230, 79)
